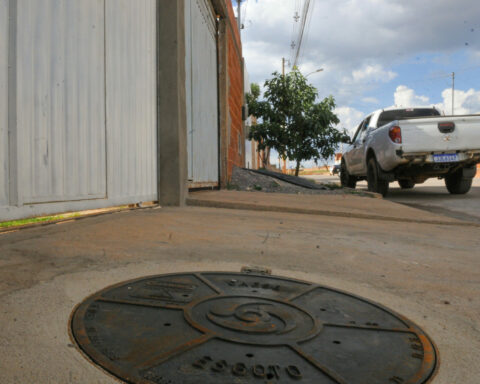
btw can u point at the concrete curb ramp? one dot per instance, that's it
(348, 206)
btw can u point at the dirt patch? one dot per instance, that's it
(245, 180)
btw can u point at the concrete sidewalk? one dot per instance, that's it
(428, 272)
(344, 205)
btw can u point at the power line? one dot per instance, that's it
(466, 69)
(307, 30)
(301, 31)
(434, 78)
(296, 18)
(305, 11)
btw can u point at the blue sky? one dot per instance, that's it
(375, 53)
(428, 74)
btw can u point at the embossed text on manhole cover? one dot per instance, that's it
(222, 328)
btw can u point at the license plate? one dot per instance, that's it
(445, 158)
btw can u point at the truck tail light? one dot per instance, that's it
(447, 127)
(395, 134)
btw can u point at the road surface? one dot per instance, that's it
(431, 196)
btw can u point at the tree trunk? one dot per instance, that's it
(297, 169)
(262, 157)
(265, 157)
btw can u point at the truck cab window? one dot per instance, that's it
(389, 116)
(357, 131)
(364, 127)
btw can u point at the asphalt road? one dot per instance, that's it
(431, 196)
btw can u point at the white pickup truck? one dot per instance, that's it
(410, 145)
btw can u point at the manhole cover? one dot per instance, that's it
(202, 328)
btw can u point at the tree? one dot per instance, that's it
(292, 122)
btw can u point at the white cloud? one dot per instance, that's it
(263, 59)
(349, 118)
(373, 73)
(356, 41)
(370, 100)
(406, 97)
(465, 102)
(472, 101)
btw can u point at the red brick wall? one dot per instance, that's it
(233, 22)
(236, 137)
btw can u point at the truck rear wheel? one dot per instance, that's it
(375, 184)
(406, 184)
(346, 179)
(457, 184)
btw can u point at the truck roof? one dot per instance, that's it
(383, 116)
(394, 108)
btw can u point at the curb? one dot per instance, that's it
(272, 208)
(362, 193)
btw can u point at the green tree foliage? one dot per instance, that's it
(291, 121)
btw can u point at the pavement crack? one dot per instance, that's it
(266, 238)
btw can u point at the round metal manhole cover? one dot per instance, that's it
(210, 327)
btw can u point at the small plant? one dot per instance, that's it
(274, 184)
(332, 186)
(233, 187)
(34, 220)
(257, 187)
(356, 192)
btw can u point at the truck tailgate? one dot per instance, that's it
(423, 134)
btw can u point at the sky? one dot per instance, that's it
(374, 53)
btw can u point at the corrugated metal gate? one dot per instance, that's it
(79, 101)
(201, 90)
(3, 102)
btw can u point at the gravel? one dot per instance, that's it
(245, 180)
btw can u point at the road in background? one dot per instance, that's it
(431, 196)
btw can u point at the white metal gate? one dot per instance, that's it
(201, 91)
(78, 95)
(60, 100)
(4, 186)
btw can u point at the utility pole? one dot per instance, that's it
(284, 162)
(238, 16)
(453, 91)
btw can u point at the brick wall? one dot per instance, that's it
(235, 133)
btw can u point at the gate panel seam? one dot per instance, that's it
(13, 174)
